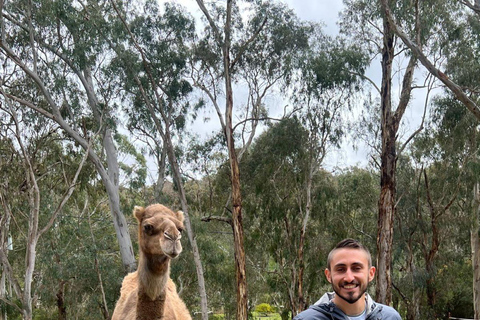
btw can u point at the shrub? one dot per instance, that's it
(264, 308)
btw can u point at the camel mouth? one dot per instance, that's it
(172, 255)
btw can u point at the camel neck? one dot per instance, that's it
(158, 265)
(153, 274)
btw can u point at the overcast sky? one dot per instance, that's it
(324, 11)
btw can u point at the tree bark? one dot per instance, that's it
(158, 188)
(237, 220)
(237, 223)
(386, 203)
(390, 122)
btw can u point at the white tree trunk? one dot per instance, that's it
(119, 221)
(111, 179)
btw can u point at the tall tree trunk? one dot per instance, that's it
(183, 200)
(237, 223)
(390, 122)
(430, 267)
(224, 44)
(62, 309)
(386, 203)
(32, 240)
(237, 220)
(158, 188)
(475, 243)
(301, 263)
(113, 175)
(237, 226)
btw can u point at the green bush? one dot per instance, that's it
(264, 308)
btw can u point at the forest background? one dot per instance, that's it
(102, 104)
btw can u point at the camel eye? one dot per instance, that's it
(148, 228)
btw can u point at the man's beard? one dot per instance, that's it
(350, 298)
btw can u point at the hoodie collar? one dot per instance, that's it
(327, 298)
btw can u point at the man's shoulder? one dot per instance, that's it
(312, 313)
(388, 313)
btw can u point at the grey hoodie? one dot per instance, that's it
(325, 309)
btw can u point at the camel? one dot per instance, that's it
(149, 293)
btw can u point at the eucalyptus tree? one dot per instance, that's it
(442, 16)
(50, 174)
(450, 26)
(277, 171)
(325, 91)
(460, 45)
(57, 47)
(371, 28)
(457, 139)
(457, 47)
(257, 51)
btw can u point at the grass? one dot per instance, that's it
(264, 316)
(256, 316)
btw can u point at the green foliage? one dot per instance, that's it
(264, 308)
(322, 75)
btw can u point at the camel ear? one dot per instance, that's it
(138, 212)
(180, 216)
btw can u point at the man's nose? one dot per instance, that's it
(349, 276)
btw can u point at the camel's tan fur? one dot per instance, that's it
(149, 293)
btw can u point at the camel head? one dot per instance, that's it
(159, 230)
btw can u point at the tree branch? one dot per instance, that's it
(218, 218)
(405, 93)
(250, 40)
(368, 79)
(420, 128)
(216, 32)
(67, 194)
(454, 88)
(475, 7)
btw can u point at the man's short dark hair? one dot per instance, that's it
(349, 244)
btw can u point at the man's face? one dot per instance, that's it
(349, 274)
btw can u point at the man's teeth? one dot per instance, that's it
(349, 286)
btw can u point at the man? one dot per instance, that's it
(349, 270)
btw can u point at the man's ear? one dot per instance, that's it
(328, 275)
(371, 273)
(138, 213)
